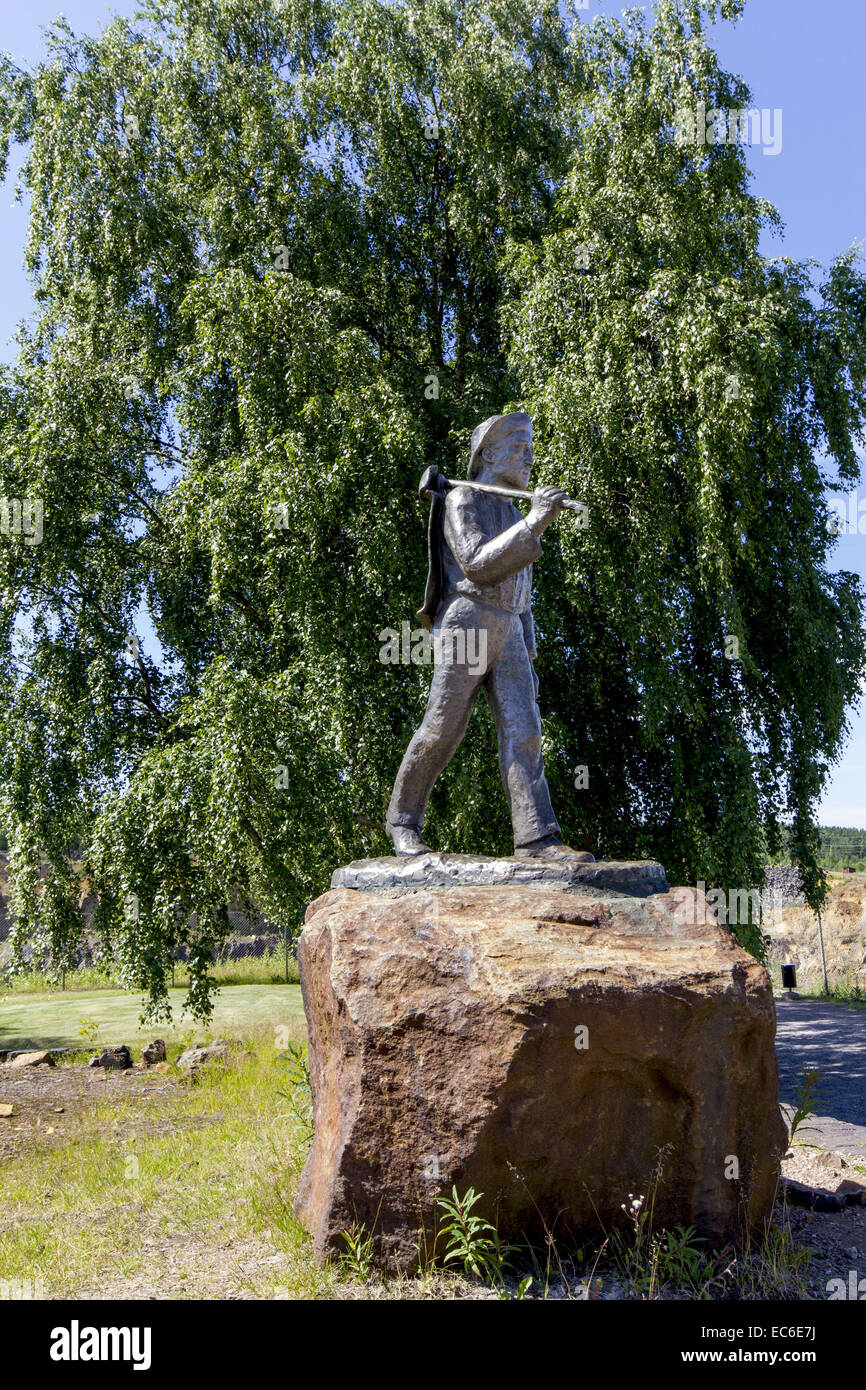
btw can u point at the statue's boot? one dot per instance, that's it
(407, 839)
(551, 847)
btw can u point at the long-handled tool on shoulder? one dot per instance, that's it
(435, 484)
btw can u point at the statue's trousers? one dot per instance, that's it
(479, 647)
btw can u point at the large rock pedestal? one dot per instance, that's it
(547, 1044)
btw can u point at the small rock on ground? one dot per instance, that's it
(31, 1059)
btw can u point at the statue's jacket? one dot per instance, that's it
(481, 556)
(487, 552)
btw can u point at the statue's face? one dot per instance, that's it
(508, 463)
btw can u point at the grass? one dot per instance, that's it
(55, 1020)
(845, 989)
(267, 969)
(816, 997)
(185, 1193)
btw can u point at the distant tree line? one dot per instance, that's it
(841, 846)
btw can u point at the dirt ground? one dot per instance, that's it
(49, 1103)
(837, 1240)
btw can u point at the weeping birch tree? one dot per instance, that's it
(285, 256)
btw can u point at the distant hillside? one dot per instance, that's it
(843, 847)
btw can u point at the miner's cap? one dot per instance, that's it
(491, 431)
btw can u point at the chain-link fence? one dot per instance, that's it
(273, 949)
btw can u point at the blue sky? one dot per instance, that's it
(801, 56)
(807, 59)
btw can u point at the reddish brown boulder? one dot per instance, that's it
(543, 1046)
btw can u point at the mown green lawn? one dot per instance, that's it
(54, 1020)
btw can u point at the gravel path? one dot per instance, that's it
(832, 1038)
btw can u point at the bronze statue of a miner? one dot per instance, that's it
(480, 586)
